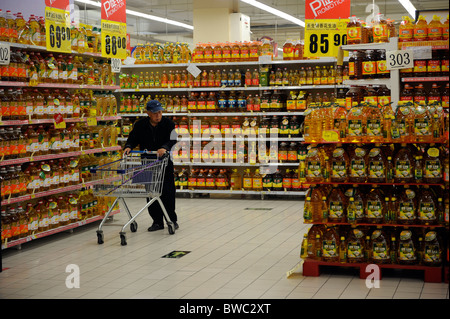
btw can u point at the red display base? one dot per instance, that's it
(431, 274)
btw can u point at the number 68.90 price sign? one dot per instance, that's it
(323, 37)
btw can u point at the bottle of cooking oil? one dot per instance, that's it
(314, 166)
(330, 245)
(339, 164)
(375, 211)
(314, 237)
(376, 165)
(427, 207)
(355, 246)
(304, 247)
(337, 205)
(407, 207)
(432, 166)
(356, 122)
(423, 124)
(407, 253)
(358, 164)
(257, 181)
(403, 165)
(432, 254)
(380, 247)
(247, 180)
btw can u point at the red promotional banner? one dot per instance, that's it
(59, 4)
(327, 9)
(114, 10)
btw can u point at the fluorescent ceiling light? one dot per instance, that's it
(276, 12)
(143, 15)
(409, 7)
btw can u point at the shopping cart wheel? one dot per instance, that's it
(100, 237)
(123, 239)
(133, 227)
(171, 229)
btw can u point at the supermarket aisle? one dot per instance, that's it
(234, 253)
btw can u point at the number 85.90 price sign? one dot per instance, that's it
(323, 37)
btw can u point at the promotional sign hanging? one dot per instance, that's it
(114, 29)
(57, 24)
(325, 27)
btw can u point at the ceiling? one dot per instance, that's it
(261, 22)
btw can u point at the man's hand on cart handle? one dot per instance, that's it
(126, 151)
(161, 152)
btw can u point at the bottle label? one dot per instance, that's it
(376, 169)
(427, 211)
(381, 67)
(369, 68)
(354, 128)
(380, 31)
(354, 33)
(420, 66)
(422, 127)
(313, 169)
(336, 210)
(374, 127)
(406, 34)
(433, 169)
(358, 168)
(406, 211)
(432, 253)
(374, 209)
(380, 251)
(403, 169)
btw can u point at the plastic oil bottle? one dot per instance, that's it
(406, 30)
(435, 29)
(375, 211)
(407, 253)
(314, 166)
(355, 246)
(432, 254)
(403, 165)
(315, 242)
(427, 206)
(432, 165)
(330, 245)
(421, 29)
(337, 205)
(380, 247)
(339, 164)
(407, 207)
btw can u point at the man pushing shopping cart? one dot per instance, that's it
(154, 134)
(148, 175)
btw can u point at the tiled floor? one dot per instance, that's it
(234, 253)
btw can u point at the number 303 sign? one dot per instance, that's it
(399, 59)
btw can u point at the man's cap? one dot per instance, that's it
(154, 106)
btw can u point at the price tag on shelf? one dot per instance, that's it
(5, 53)
(116, 65)
(59, 121)
(323, 37)
(399, 59)
(194, 70)
(92, 121)
(57, 25)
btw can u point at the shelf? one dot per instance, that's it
(60, 85)
(55, 230)
(290, 113)
(227, 64)
(43, 48)
(365, 82)
(375, 225)
(241, 192)
(59, 155)
(426, 79)
(56, 191)
(435, 45)
(229, 164)
(51, 121)
(378, 184)
(367, 46)
(237, 88)
(444, 140)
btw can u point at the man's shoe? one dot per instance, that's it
(155, 227)
(176, 225)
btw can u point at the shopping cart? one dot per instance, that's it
(139, 175)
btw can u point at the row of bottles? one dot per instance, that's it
(28, 103)
(423, 31)
(14, 28)
(157, 53)
(365, 122)
(357, 163)
(276, 126)
(36, 140)
(237, 152)
(378, 245)
(368, 64)
(379, 30)
(37, 67)
(35, 177)
(34, 217)
(293, 49)
(226, 179)
(437, 95)
(437, 65)
(325, 75)
(238, 51)
(377, 205)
